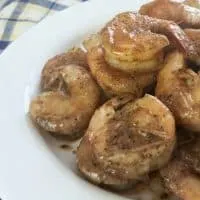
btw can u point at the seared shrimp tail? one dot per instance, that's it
(178, 11)
(178, 38)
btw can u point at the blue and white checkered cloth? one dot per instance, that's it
(17, 16)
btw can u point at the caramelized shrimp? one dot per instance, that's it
(180, 180)
(50, 78)
(194, 35)
(67, 113)
(174, 10)
(179, 88)
(126, 139)
(181, 175)
(113, 81)
(189, 153)
(139, 66)
(133, 42)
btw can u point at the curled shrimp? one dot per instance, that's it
(194, 35)
(181, 175)
(50, 77)
(178, 87)
(181, 180)
(113, 81)
(126, 139)
(174, 10)
(67, 113)
(133, 42)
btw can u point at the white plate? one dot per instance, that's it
(31, 168)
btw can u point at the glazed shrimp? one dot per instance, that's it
(67, 113)
(179, 88)
(194, 35)
(174, 10)
(180, 180)
(126, 139)
(133, 42)
(181, 175)
(113, 81)
(189, 153)
(50, 78)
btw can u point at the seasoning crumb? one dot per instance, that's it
(65, 146)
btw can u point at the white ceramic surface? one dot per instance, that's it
(33, 167)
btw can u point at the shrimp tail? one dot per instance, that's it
(178, 37)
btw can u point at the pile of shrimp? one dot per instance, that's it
(132, 93)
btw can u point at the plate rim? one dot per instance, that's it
(4, 59)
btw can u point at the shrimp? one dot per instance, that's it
(113, 81)
(194, 35)
(179, 88)
(67, 113)
(50, 78)
(180, 180)
(189, 153)
(174, 10)
(181, 174)
(126, 139)
(133, 42)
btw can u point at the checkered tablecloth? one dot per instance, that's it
(17, 16)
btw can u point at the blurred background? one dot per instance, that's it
(17, 16)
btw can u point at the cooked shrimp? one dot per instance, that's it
(189, 153)
(113, 81)
(133, 67)
(51, 79)
(194, 35)
(174, 10)
(180, 180)
(132, 43)
(179, 88)
(67, 113)
(125, 140)
(181, 174)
